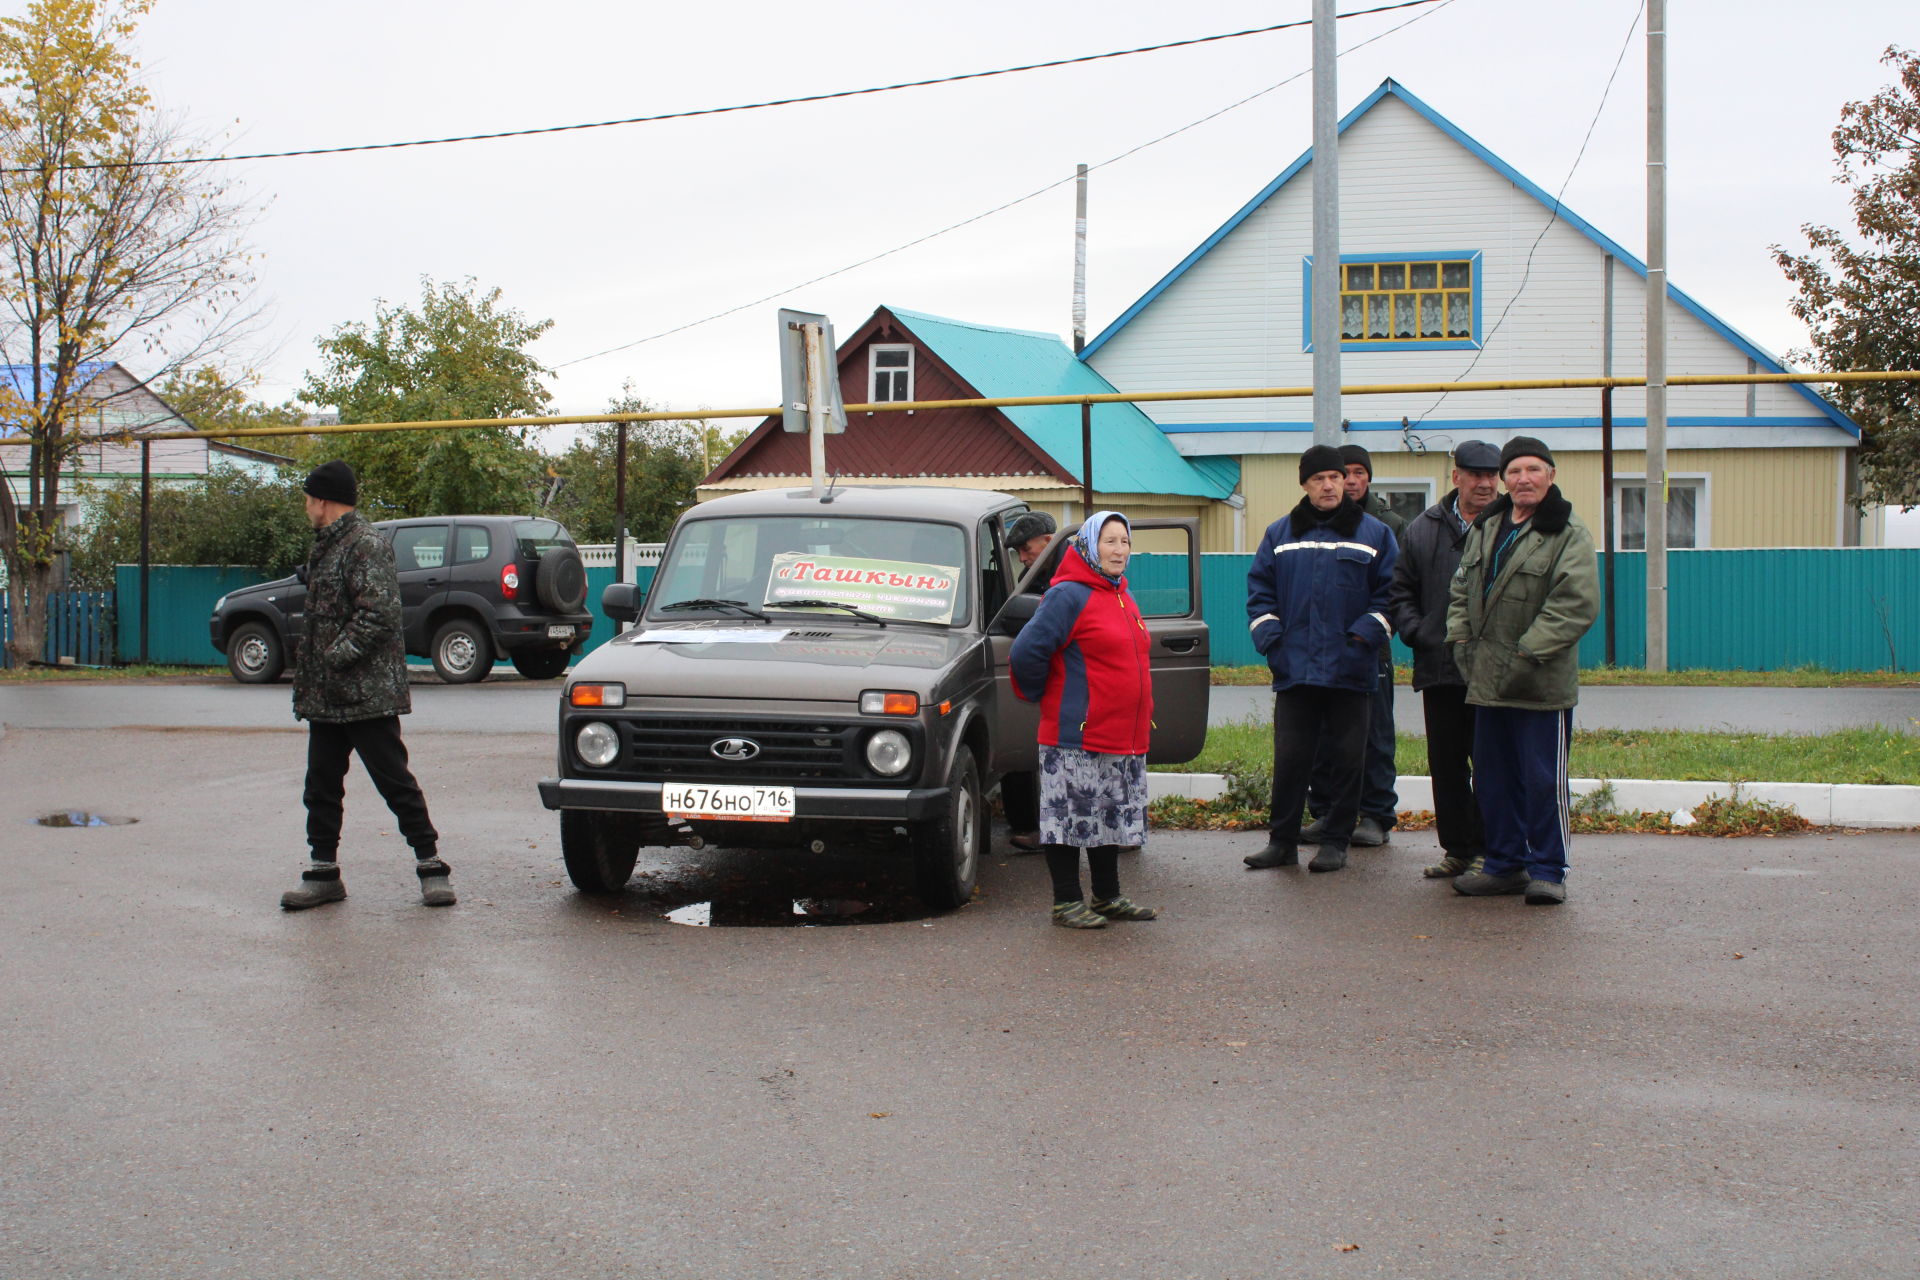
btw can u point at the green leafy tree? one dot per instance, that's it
(234, 517)
(100, 251)
(459, 354)
(666, 461)
(210, 399)
(1860, 297)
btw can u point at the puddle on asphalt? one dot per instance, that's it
(81, 818)
(775, 913)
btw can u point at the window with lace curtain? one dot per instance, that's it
(1406, 301)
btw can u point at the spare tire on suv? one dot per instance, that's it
(560, 581)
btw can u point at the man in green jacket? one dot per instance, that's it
(350, 686)
(1527, 589)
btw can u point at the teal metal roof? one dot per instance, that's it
(1130, 453)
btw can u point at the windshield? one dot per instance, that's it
(897, 570)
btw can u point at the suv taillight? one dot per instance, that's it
(510, 581)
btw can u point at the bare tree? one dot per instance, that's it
(107, 249)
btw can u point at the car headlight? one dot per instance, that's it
(889, 752)
(597, 744)
(219, 604)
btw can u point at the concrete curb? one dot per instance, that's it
(1821, 803)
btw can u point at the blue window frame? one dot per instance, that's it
(1402, 301)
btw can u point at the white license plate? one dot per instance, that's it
(559, 633)
(736, 804)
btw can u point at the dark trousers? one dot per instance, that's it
(330, 747)
(1450, 760)
(1063, 868)
(1520, 776)
(1020, 797)
(1306, 719)
(1378, 800)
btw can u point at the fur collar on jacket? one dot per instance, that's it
(1345, 518)
(1550, 517)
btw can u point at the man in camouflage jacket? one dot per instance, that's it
(350, 686)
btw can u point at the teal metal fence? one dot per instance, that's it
(183, 600)
(1843, 609)
(1853, 609)
(79, 626)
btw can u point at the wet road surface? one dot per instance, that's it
(521, 706)
(1703, 1066)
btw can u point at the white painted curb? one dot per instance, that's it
(1821, 803)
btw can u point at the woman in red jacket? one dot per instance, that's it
(1083, 658)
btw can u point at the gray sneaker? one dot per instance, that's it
(1545, 893)
(435, 891)
(1368, 833)
(1484, 884)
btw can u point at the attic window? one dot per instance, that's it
(889, 373)
(1406, 301)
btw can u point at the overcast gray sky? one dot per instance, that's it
(618, 234)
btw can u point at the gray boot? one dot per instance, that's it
(435, 889)
(320, 884)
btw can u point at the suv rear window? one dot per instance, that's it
(908, 570)
(537, 537)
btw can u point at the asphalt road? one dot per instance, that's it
(520, 706)
(1702, 1066)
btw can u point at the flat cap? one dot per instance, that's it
(1476, 455)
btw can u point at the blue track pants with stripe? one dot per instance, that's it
(1520, 778)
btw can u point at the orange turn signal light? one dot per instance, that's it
(597, 695)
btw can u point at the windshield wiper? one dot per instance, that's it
(703, 603)
(861, 614)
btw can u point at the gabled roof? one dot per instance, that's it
(1764, 361)
(18, 378)
(1130, 453)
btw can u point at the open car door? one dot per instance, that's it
(1164, 577)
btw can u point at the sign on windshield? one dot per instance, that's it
(897, 589)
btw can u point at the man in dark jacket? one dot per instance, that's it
(1317, 604)
(1527, 589)
(1379, 804)
(1422, 579)
(350, 686)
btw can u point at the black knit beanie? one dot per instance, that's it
(1352, 453)
(334, 482)
(1524, 447)
(1318, 458)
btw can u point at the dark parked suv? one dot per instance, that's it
(472, 588)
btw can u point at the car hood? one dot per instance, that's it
(779, 660)
(277, 587)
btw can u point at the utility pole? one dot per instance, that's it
(1080, 334)
(1656, 466)
(1606, 463)
(1326, 230)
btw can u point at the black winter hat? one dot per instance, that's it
(1318, 458)
(334, 482)
(1352, 453)
(1524, 447)
(1476, 455)
(1029, 525)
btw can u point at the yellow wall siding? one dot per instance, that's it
(1755, 497)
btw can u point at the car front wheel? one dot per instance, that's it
(599, 850)
(254, 655)
(462, 652)
(947, 851)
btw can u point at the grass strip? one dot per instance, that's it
(1793, 678)
(100, 675)
(1874, 757)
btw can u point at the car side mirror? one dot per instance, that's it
(1015, 614)
(621, 601)
(300, 572)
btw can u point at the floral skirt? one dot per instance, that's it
(1088, 799)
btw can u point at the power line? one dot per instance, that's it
(1019, 200)
(714, 111)
(1553, 217)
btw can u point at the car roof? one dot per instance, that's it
(912, 502)
(388, 524)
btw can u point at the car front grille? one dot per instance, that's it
(787, 751)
